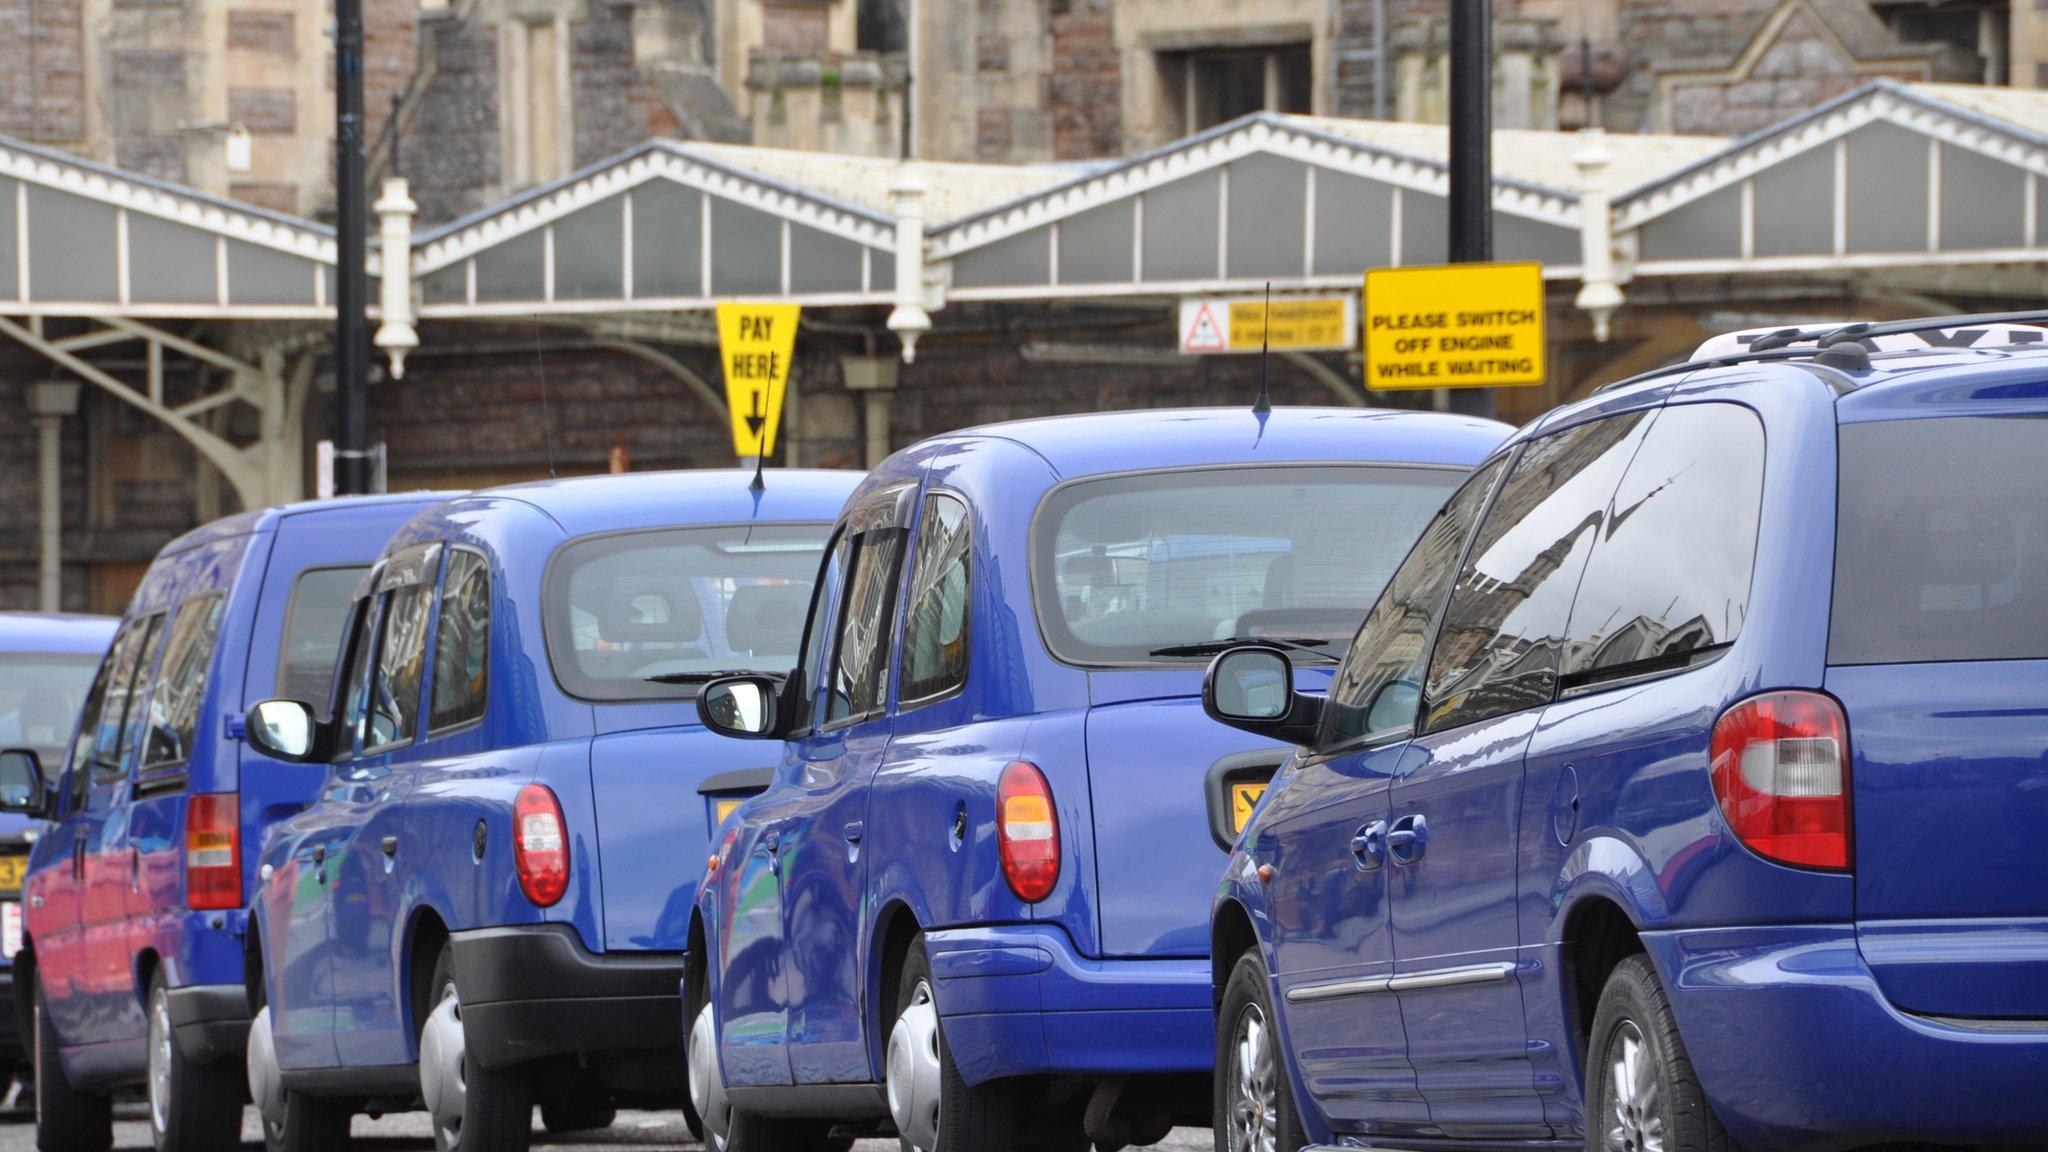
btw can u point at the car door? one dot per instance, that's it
(1324, 834)
(755, 972)
(1452, 835)
(824, 808)
(366, 801)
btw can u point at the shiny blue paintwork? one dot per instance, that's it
(1797, 1015)
(96, 937)
(339, 955)
(854, 845)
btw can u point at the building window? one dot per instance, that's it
(799, 29)
(1220, 86)
(1976, 29)
(882, 26)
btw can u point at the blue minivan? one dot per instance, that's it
(132, 968)
(1687, 787)
(487, 908)
(972, 908)
(47, 661)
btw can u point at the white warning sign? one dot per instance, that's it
(1199, 331)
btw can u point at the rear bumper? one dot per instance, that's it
(211, 1021)
(1016, 1001)
(1798, 1048)
(535, 991)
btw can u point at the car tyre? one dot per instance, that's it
(724, 1128)
(1641, 1092)
(67, 1119)
(577, 1115)
(292, 1121)
(934, 1108)
(1254, 1108)
(474, 1109)
(193, 1106)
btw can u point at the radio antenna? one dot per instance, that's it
(1264, 404)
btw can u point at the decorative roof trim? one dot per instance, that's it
(451, 243)
(60, 172)
(1883, 101)
(1258, 134)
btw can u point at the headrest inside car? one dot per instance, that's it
(767, 619)
(642, 615)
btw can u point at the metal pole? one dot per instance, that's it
(351, 335)
(1471, 155)
(49, 514)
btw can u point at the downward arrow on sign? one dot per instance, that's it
(755, 420)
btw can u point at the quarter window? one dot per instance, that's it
(861, 656)
(95, 750)
(804, 693)
(173, 715)
(935, 631)
(394, 709)
(321, 598)
(355, 684)
(1670, 577)
(1379, 686)
(462, 653)
(1498, 649)
(109, 749)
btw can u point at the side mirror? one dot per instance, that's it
(21, 784)
(1251, 687)
(744, 707)
(284, 729)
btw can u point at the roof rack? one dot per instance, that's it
(1843, 348)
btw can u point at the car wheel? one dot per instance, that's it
(724, 1128)
(67, 1119)
(193, 1106)
(1255, 1109)
(577, 1115)
(292, 1121)
(1641, 1093)
(934, 1109)
(474, 1109)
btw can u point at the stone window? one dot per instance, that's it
(537, 91)
(1216, 87)
(1975, 28)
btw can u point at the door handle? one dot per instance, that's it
(854, 831)
(1408, 839)
(320, 854)
(1370, 845)
(135, 869)
(388, 845)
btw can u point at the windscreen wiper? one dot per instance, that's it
(1305, 644)
(704, 677)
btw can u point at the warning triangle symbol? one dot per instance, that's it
(1204, 335)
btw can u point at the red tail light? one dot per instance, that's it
(1781, 773)
(540, 849)
(1029, 832)
(213, 851)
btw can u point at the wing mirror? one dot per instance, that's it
(1251, 687)
(744, 707)
(283, 729)
(21, 784)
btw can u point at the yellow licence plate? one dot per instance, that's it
(1244, 798)
(12, 870)
(726, 808)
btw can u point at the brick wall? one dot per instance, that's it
(451, 150)
(42, 70)
(1084, 94)
(616, 108)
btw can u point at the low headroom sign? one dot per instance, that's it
(1211, 325)
(1454, 326)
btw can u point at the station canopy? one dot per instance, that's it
(1889, 176)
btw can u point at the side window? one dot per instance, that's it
(394, 703)
(462, 652)
(805, 679)
(321, 599)
(84, 760)
(1379, 687)
(355, 682)
(935, 629)
(1498, 649)
(173, 716)
(860, 658)
(109, 758)
(1671, 574)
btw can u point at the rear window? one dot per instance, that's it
(1127, 566)
(1941, 541)
(321, 599)
(644, 615)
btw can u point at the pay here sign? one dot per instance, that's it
(1454, 326)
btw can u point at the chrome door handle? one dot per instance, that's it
(1408, 839)
(388, 845)
(1370, 845)
(854, 831)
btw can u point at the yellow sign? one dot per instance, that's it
(1244, 798)
(12, 870)
(1300, 324)
(756, 342)
(1454, 326)
(726, 808)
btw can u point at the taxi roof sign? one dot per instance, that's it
(1454, 326)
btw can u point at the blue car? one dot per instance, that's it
(1687, 788)
(47, 663)
(973, 906)
(132, 968)
(488, 906)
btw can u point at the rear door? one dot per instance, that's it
(1938, 651)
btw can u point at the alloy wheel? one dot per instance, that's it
(159, 1060)
(1254, 1118)
(1634, 1108)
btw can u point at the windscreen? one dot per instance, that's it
(645, 615)
(1941, 541)
(40, 695)
(1158, 567)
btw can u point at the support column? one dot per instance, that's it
(875, 378)
(51, 402)
(1600, 288)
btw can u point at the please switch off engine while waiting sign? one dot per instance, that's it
(1454, 326)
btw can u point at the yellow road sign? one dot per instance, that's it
(756, 342)
(1244, 798)
(1454, 326)
(1300, 324)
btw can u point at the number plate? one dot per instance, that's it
(10, 930)
(12, 871)
(1244, 798)
(725, 808)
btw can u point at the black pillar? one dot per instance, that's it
(351, 335)
(1471, 155)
